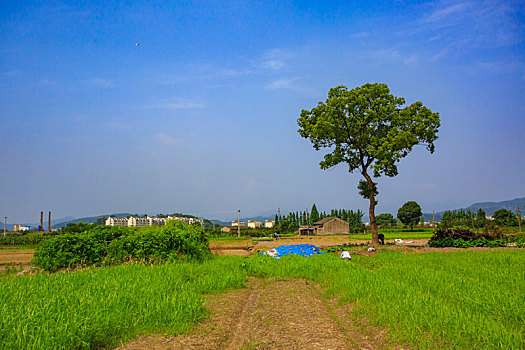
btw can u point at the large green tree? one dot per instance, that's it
(314, 215)
(367, 129)
(385, 220)
(409, 214)
(504, 217)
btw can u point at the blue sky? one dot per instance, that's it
(202, 116)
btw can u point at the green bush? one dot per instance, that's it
(105, 245)
(479, 242)
(68, 251)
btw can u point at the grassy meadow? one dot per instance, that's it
(461, 299)
(404, 234)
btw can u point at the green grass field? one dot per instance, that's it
(456, 300)
(395, 234)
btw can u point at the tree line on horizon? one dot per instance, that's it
(293, 220)
(501, 217)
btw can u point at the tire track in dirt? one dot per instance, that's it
(273, 314)
(239, 335)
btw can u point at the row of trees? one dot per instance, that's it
(464, 218)
(501, 217)
(293, 220)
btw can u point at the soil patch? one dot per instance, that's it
(238, 252)
(15, 257)
(272, 314)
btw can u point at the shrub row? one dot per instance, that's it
(106, 245)
(463, 238)
(480, 242)
(14, 239)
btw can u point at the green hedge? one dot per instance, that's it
(480, 242)
(106, 245)
(15, 239)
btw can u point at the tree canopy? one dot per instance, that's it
(385, 220)
(314, 214)
(367, 129)
(504, 217)
(409, 214)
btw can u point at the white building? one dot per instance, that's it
(154, 221)
(187, 220)
(138, 221)
(254, 224)
(113, 221)
(20, 228)
(269, 223)
(148, 221)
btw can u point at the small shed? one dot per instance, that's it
(306, 230)
(331, 225)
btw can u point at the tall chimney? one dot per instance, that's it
(49, 223)
(41, 221)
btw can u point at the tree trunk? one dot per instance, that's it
(371, 210)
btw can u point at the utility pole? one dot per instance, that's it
(5, 224)
(239, 223)
(279, 217)
(519, 218)
(433, 223)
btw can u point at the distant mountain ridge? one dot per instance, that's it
(88, 220)
(491, 207)
(488, 207)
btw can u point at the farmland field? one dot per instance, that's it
(462, 299)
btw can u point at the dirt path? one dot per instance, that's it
(271, 314)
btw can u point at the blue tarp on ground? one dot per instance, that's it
(298, 249)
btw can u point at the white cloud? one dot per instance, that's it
(276, 59)
(250, 185)
(46, 83)
(166, 139)
(273, 64)
(408, 59)
(501, 67)
(199, 71)
(283, 84)
(448, 13)
(178, 103)
(470, 24)
(360, 35)
(439, 55)
(100, 83)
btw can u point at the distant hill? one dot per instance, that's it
(488, 207)
(87, 220)
(491, 207)
(220, 223)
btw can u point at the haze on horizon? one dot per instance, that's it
(201, 116)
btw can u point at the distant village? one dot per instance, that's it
(148, 221)
(240, 225)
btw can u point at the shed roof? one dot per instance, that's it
(325, 220)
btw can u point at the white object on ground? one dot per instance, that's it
(271, 252)
(346, 255)
(371, 249)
